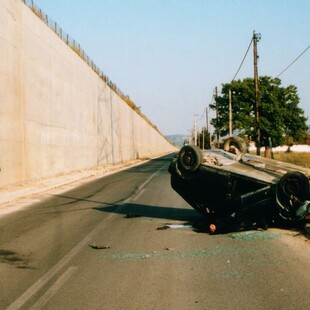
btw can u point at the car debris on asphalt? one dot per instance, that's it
(174, 226)
(99, 247)
(132, 215)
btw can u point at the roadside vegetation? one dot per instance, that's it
(296, 158)
(281, 120)
(301, 159)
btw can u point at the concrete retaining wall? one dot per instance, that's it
(56, 114)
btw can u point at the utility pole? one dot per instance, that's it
(207, 120)
(195, 129)
(203, 138)
(217, 120)
(230, 113)
(207, 125)
(256, 38)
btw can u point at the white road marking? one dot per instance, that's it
(142, 186)
(138, 195)
(45, 298)
(21, 300)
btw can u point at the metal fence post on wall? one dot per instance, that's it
(77, 49)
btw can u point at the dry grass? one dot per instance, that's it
(296, 158)
(301, 159)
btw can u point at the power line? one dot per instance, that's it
(293, 61)
(204, 111)
(201, 115)
(243, 59)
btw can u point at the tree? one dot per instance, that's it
(305, 138)
(203, 139)
(280, 116)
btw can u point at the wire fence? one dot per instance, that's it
(76, 47)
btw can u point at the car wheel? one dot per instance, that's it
(237, 142)
(190, 158)
(294, 184)
(293, 189)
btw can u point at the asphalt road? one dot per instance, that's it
(107, 244)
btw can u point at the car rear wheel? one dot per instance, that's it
(236, 142)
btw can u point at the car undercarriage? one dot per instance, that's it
(233, 189)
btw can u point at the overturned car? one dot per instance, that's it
(235, 190)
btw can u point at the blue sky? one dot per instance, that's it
(168, 55)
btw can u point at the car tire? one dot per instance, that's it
(295, 184)
(190, 158)
(293, 189)
(237, 142)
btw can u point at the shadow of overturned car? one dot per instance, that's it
(156, 212)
